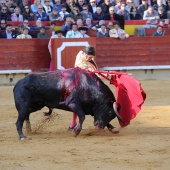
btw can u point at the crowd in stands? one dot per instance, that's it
(78, 16)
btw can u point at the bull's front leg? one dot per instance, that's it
(78, 110)
(112, 128)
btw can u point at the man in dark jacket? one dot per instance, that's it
(8, 34)
(159, 31)
(4, 14)
(98, 15)
(106, 5)
(141, 8)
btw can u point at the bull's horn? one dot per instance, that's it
(117, 113)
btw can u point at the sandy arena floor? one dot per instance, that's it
(143, 145)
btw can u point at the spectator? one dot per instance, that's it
(38, 25)
(135, 3)
(159, 31)
(25, 34)
(116, 32)
(79, 23)
(141, 30)
(123, 12)
(3, 4)
(55, 16)
(149, 25)
(34, 7)
(63, 12)
(92, 6)
(129, 5)
(98, 15)
(106, 5)
(4, 15)
(67, 26)
(168, 6)
(52, 2)
(3, 24)
(41, 14)
(85, 13)
(109, 26)
(134, 14)
(8, 34)
(70, 5)
(27, 14)
(11, 6)
(42, 33)
(52, 27)
(115, 17)
(162, 23)
(22, 5)
(47, 7)
(168, 9)
(117, 6)
(98, 25)
(82, 31)
(57, 5)
(58, 34)
(102, 32)
(73, 32)
(20, 29)
(151, 14)
(26, 24)
(80, 4)
(158, 5)
(16, 16)
(76, 14)
(161, 13)
(141, 8)
(89, 24)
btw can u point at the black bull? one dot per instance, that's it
(75, 90)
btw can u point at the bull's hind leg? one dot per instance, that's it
(19, 125)
(23, 115)
(78, 110)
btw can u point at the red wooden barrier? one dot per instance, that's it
(19, 54)
(134, 51)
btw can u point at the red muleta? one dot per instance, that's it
(129, 94)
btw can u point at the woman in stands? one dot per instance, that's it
(16, 16)
(70, 5)
(27, 14)
(76, 14)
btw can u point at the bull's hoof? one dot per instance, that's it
(23, 138)
(76, 132)
(72, 128)
(114, 130)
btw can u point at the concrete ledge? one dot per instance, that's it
(14, 71)
(10, 77)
